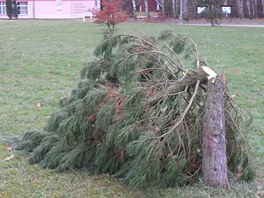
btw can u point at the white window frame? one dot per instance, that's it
(24, 6)
(2, 8)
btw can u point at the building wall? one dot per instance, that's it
(152, 6)
(52, 9)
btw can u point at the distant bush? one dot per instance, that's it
(11, 9)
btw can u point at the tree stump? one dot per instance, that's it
(214, 161)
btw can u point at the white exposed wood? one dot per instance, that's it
(211, 73)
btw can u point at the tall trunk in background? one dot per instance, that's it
(249, 9)
(240, 6)
(253, 8)
(134, 9)
(185, 8)
(262, 3)
(173, 3)
(256, 8)
(147, 8)
(181, 12)
(163, 8)
(177, 8)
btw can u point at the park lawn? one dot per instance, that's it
(40, 63)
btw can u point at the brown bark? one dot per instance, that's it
(214, 160)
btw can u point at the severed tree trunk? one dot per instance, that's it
(214, 160)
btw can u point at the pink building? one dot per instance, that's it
(51, 9)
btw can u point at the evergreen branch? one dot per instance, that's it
(184, 113)
(180, 66)
(188, 80)
(242, 136)
(194, 50)
(136, 113)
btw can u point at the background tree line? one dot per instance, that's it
(187, 8)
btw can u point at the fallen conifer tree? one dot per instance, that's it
(142, 112)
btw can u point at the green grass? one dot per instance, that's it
(40, 63)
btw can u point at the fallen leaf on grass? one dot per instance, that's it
(8, 158)
(38, 105)
(9, 148)
(234, 71)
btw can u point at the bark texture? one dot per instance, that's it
(214, 161)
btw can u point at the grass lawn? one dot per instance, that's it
(40, 63)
